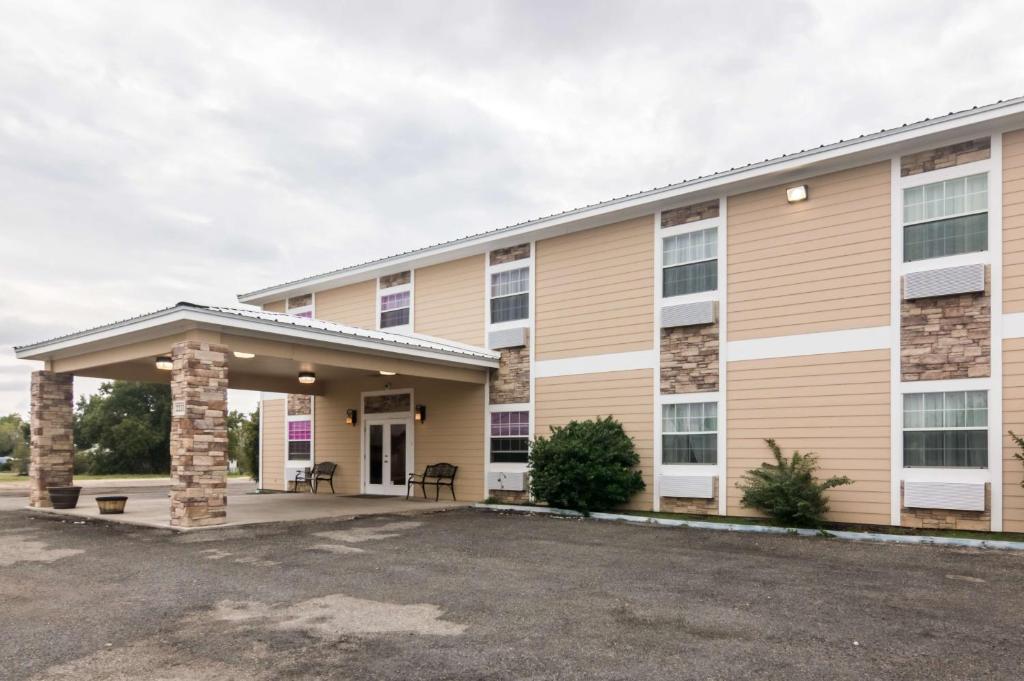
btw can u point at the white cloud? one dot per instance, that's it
(156, 152)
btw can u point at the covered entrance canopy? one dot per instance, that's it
(206, 350)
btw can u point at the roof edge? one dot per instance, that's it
(779, 164)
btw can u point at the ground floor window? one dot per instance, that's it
(510, 436)
(689, 433)
(300, 439)
(946, 429)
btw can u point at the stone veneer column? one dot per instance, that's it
(53, 451)
(199, 436)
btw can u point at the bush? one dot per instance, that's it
(585, 465)
(787, 491)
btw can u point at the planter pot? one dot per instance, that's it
(111, 504)
(64, 497)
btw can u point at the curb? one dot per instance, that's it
(767, 529)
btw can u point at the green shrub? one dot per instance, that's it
(1019, 454)
(585, 465)
(787, 491)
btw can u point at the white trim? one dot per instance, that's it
(658, 287)
(950, 173)
(995, 394)
(518, 406)
(487, 427)
(968, 124)
(686, 227)
(1013, 325)
(928, 264)
(936, 474)
(950, 385)
(387, 417)
(803, 344)
(690, 398)
(723, 355)
(895, 326)
(259, 478)
(510, 265)
(691, 470)
(690, 297)
(596, 364)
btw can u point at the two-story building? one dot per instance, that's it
(863, 300)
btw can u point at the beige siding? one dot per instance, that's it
(336, 441)
(1013, 221)
(353, 305)
(819, 265)
(1013, 419)
(276, 306)
(450, 300)
(595, 291)
(835, 405)
(625, 395)
(272, 444)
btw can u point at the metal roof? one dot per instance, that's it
(695, 183)
(279, 322)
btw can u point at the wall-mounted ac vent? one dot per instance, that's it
(687, 486)
(507, 338)
(948, 281)
(514, 482)
(689, 314)
(955, 496)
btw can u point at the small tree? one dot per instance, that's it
(1019, 454)
(787, 491)
(585, 465)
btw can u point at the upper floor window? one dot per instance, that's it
(689, 433)
(300, 439)
(394, 309)
(510, 295)
(946, 429)
(690, 262)
(301, 306)
(510, 436)
(945, 218)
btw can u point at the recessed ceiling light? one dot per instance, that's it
(307, 377)
(164, 363)
(244, 355)
(387, 373)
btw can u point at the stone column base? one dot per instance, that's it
(52, 460)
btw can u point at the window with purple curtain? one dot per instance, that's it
(510, 436)
(300, 439)
(394, 309)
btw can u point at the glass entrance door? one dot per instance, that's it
(388, 456)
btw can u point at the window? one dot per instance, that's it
(510, 295)
(946, 429)
(300, 439)
(689, 433)
(690, 263)
(394, 309)
(301, 306)
(945, 218)
(510, 436)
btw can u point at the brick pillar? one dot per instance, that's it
(199, 436)
(53, 450)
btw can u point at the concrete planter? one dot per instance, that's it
(64, 497)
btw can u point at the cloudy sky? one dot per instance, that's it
(152, 152)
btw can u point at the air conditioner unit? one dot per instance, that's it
(954, 496)
(513, 482)
(687, 486)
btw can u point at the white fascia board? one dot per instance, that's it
(194, 318)
(822, 343)
(865, 149)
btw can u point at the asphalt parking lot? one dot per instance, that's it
(470, 594)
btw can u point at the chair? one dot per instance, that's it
(321, 472)
(437, 474)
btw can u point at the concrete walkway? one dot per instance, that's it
(148, 506)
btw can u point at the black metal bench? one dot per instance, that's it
(437, 474)
(321, 472)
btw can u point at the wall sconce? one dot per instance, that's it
(797, 194)
(307, 377)
(164, 363)
(351, 416)
(420, 413)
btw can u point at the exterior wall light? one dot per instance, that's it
(164, 363)
(243, 355)
(307, 377)
(351, 416)
(797, 194)
(420, 413)
(386, 373)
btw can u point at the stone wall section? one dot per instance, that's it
(52, 451)
(300, 405)
(946, 157)
(691, 213)
(945, 519)
(509, 496)
(199, 436)
(502, 255)
(689, 359)
(510, 382)
(385, 404)
(397, 279)
(946, 337)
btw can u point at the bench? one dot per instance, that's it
(321, 472)
(437, 474)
